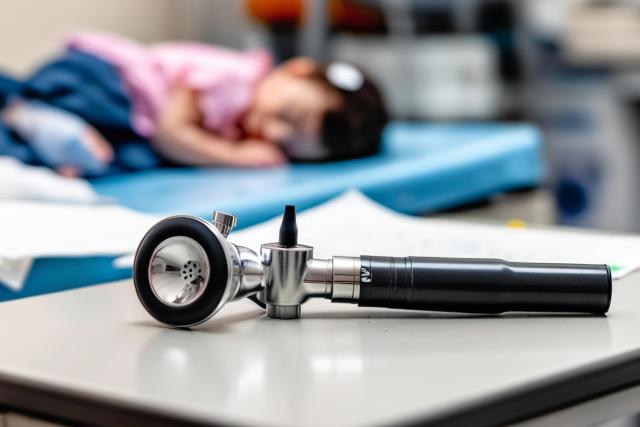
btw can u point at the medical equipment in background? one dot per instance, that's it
(589, 122)
(185, 270)
(586, 106)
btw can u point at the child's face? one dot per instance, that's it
(288, 108)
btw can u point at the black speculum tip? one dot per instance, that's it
(289, 228)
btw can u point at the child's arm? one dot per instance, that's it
(180, 138)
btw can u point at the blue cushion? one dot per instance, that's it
(421, 168)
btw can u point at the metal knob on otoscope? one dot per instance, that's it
(185, 271)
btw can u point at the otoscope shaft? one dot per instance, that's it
(483, 285)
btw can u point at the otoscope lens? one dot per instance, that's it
(179, 271)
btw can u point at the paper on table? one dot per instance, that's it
(355, 225)
(24, 182)
(30, 230)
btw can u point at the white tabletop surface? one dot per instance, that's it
(338, 365)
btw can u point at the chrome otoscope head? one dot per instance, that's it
(185, 269)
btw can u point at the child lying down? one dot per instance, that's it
(109, 104)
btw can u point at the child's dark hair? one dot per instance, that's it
(354, 129)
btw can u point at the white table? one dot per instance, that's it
(94, 355)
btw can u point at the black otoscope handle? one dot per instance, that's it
(483, 285)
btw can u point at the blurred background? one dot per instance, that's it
(571, 67)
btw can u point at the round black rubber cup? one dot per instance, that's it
(200, 309)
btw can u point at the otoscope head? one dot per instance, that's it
(185, 269)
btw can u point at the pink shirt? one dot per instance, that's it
(225, 79)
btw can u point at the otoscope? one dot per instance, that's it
(185, 271)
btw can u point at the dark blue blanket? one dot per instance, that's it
(90, 88)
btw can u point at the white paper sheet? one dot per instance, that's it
(354, 225)
(23, 182)
(348, 225)
(30, 230)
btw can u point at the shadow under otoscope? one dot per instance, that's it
(222, 321)
(406, 314)
(217, 324)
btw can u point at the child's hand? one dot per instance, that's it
(257, 153)
(180, 137)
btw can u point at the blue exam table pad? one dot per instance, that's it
(421, 168)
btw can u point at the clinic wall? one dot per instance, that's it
(31, 30)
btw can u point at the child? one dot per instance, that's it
(92, 111)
